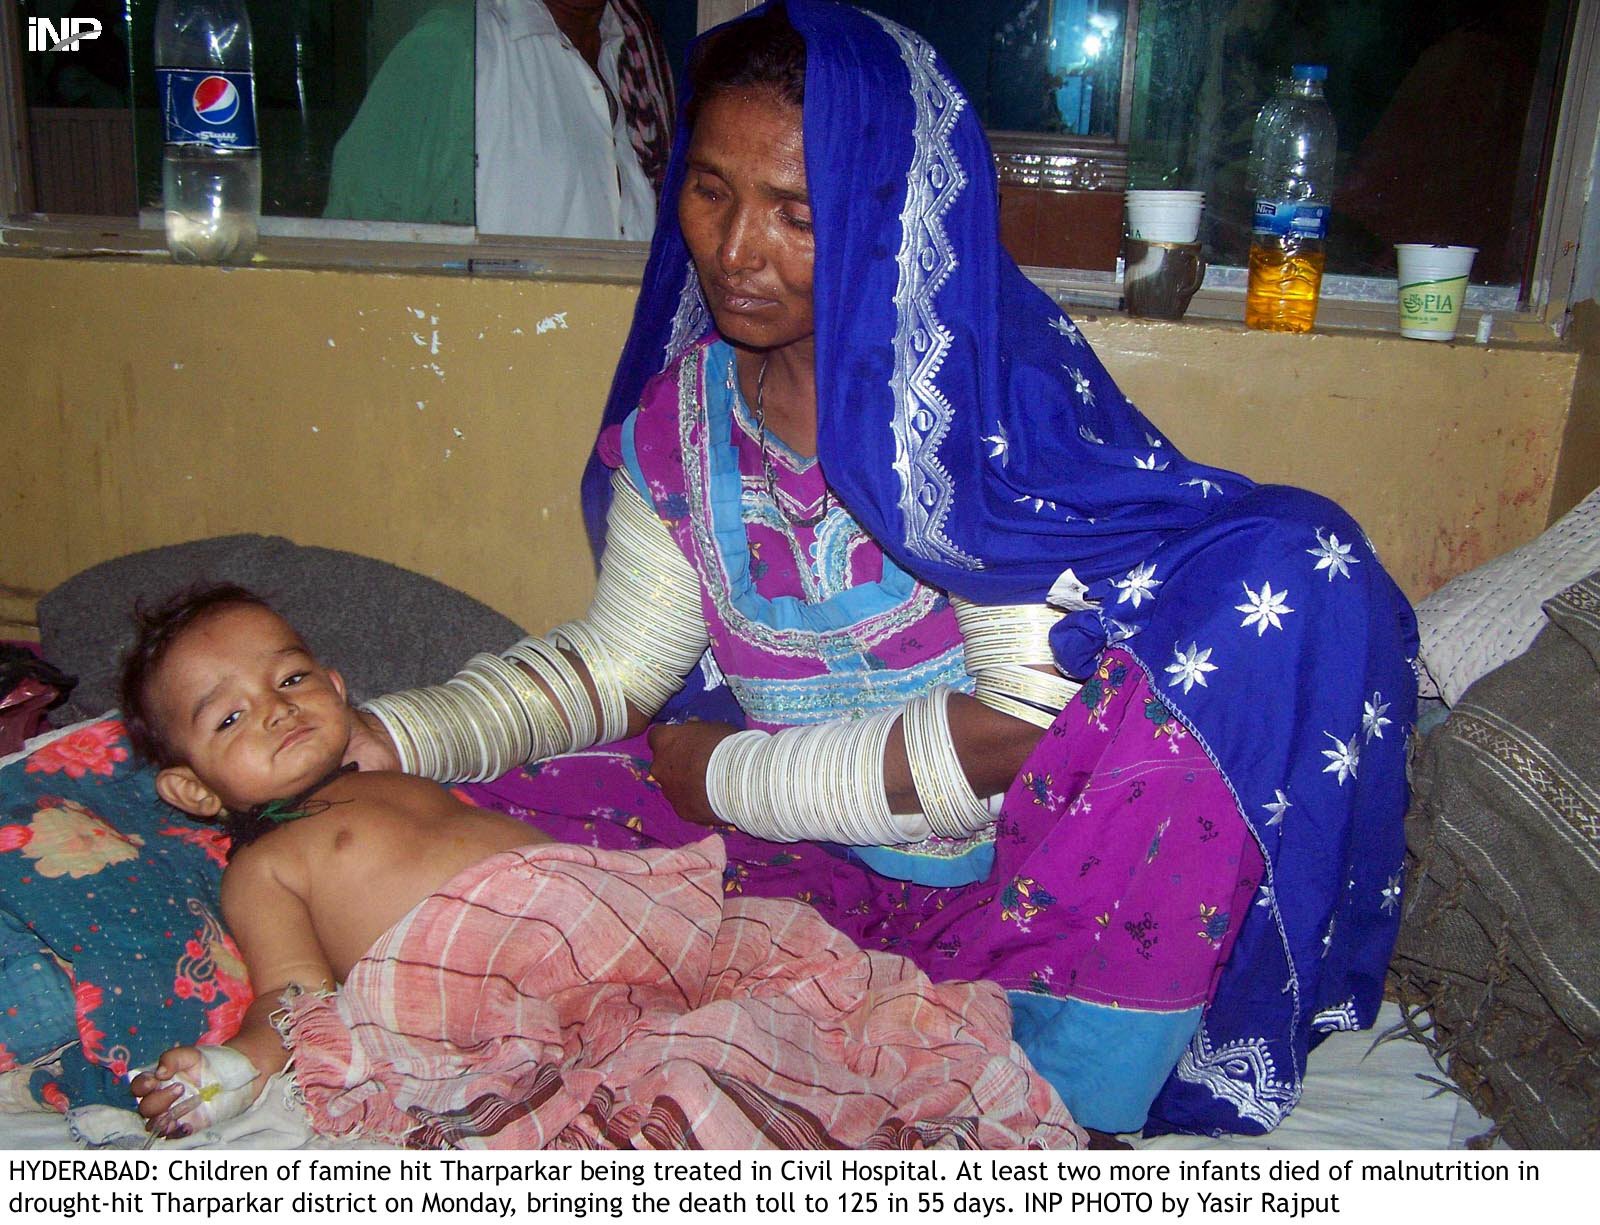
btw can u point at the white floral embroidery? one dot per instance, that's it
(1153, 439)
(1339, 1017)
(1277, 806)
(1372, 720)
(1116, 631)
(1333, 556)
(1391, 894)
(1150, 464)
(1088, 435)
(926, 258)
(1205, 486)
(1037, 503)
(1068, 329)
(1190, 667)
(1138, 586)
(1264, 608)
(1344, 758)
(690, 320)
(999, 446)
(1080, 384)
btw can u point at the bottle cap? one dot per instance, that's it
(1309, 72)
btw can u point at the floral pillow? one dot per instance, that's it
(120, 892)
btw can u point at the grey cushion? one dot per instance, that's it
(383, 627)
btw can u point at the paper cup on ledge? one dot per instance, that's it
(1433, 285)
(1165, 216)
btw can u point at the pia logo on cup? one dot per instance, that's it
(216, 101)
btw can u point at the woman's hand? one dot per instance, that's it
(681, 752)
(370, 746)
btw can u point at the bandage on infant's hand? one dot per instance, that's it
(222, 1087)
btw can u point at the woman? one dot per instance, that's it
(1194, 873)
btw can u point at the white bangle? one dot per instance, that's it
(647, 619)
(548, 664)
(953, 809)
(821, 782)
(1004, 645)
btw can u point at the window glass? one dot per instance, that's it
(310, 74)
(367, 110)
(1445, 110)
(80, 132)
(1029, 65)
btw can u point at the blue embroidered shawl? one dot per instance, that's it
(969, 427)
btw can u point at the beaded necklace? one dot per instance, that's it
(807, 521)
(245, 826)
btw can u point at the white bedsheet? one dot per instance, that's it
(1357, 1096)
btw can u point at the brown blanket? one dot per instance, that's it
(1498, 938)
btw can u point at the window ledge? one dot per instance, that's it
(365, 246)
(460, 251)
(1224, 304)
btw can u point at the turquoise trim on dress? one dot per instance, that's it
(936, 862)
(792, 701)
(726, 498)
(630, 459)
(1107, 1063)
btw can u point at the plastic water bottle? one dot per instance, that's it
(211, 167)
(1291, 173)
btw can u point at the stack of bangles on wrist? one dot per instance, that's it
(1001, 641)
(826, 781)
(645, 630)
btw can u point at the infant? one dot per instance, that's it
(250, 731)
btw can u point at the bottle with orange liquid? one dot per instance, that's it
(1291, 172)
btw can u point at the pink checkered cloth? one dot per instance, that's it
(563, 996)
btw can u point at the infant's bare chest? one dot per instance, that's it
(372, 853)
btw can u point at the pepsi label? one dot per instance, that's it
(200, 107)
(1302, 218)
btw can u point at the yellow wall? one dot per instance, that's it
(441, 422)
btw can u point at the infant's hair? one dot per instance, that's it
(156, 629)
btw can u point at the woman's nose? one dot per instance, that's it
(740, 249)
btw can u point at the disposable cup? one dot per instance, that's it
(1433, 285)
(1165, 216)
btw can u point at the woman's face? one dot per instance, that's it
(746, 217)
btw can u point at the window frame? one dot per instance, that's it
(1362, 303)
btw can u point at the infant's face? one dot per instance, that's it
(243, 703)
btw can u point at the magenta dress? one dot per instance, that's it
(1119, 867)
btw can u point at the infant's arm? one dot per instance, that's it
(272, 926)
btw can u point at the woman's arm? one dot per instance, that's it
(991, 747)
(892, 777)
(587, 682)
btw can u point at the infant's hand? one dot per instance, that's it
(370, 746)
(161, 1099)
(192, 1088)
